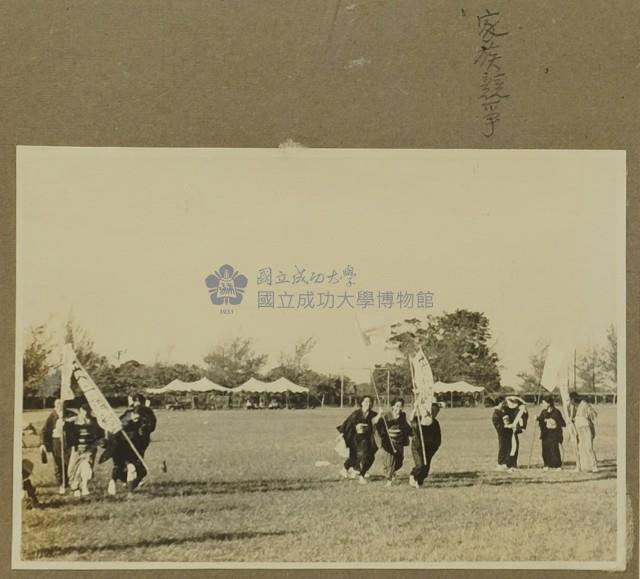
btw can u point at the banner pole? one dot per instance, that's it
(535, 427)
(135, 450)
(373, 383)
(419, 419)
(64, 464)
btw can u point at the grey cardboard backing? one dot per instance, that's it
(340, 73)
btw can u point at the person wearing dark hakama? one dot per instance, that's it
(425, 428)
(551, 424)
(392, 435)
(500, 421)
(127, 465)
(358, 433)
(514, 418)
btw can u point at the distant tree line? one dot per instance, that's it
(458, 346)
(229, 364)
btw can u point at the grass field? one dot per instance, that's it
(244, 486)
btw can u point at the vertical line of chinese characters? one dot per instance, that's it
(492, 86)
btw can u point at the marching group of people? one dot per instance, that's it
(365, 432)
(72, 437)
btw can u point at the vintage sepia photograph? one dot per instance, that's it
(319, 358)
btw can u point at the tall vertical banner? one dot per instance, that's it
(553, 372)
(554, 375)
(106, 417)
(66, 373)
(422, 379)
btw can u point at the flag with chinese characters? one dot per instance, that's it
(423, 383)
(73, 371)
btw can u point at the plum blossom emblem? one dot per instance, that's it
(226, 286)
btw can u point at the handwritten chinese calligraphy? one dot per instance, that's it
(489, 56)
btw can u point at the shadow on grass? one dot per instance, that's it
(59, 551)
(606, 470)
(524, 476)
(189, 488)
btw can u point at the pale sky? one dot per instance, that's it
(126, 237)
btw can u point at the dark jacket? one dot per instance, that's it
(399, 429)
(46, 434)
(140, 429)
(431, 434)
(84, 437)
(348, 428)
(556, 415)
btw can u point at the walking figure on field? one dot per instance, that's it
(425, 442)
(358, 433)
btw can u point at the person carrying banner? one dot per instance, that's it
(127, 467)
(51, 439)
(84, 435)
(551, 423)
(500, 420)
(148, 421)
(392, 437)
(514, 421)
(138, 422)
(358, 433)
(74, 374)
(425, 441)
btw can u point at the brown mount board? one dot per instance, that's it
(324, 74)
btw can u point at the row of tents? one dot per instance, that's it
(282, 386)
(253, 385)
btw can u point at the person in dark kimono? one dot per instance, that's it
(147, 421)
(358, 433)
(551, 424)
(499, 420)
(392, 435)
(138, 422)
(425, 429)
(509, 420)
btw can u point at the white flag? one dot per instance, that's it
(66, 372)
(554, 367)
(106, 417)
(422, 378)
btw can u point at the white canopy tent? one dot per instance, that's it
(461, 386)
(252, 385)
(279, 386)
(173, 386)
(202, 385)
(288, 386)
(206, 385)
